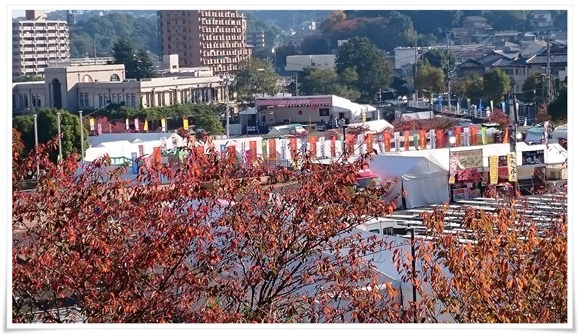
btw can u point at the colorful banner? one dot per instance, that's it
(283, 149)
(493, 169)
(134, 167)
(512, 167)
(272, 149)
(469, 158)
(473, 135)
(243, 152)
(293, 148)
(387, 141)
(466, 137)
(185, 123)
(163, 125)
(406, 140)
(440, 138)
(416, 141)
(99, 129)
(484, 135)
(333, 147)
(452, 168)
(92, 124)
(432, 139)
(146, 126)
(157, 155)
(506, 135)
(457, 134)
(397, 137)
(322, 141)
(141, 150)
(265, 149)
(369, 141)
(136, 121)
(253, 150)
(468, 175)
(533, 157)
(423, 139)
(312, 145)
(232, 152)
(127, 124)
(350, 143)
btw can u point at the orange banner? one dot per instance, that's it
(440, 138)
(350, 142)
(293, 147)
(333, 147)
(506, 136)
(369, 141)
(387, 141)
(422, 139)
(406, 140)
(312, 145)
(157, 155)
(253, 150)
(272, 149)
(473, 134)
(457, 134)
(232, 152)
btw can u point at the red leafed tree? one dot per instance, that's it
(499, 117)
(543, 115)
(110, 126)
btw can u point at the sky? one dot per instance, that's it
(18, 13)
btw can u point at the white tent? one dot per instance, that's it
(374, 126)
(423, 181)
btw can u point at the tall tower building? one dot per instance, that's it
(205, 38)
(37, 42)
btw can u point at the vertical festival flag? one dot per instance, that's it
(369, 142)
(283, 149)
(512, 167)
(397, 136)
(484, 135)
(493, 169)
(416, 141)
(136, 121)
(440, 138)
(387, 141)
(423, 139)
(185, 123)
(432, 139)
(406, 140)
(323, 147)
(163, 125)
(232, 152)
(506, 135)
(99, 129)
(312, 145)
(92, 124)
(457, 133)
(146, 126)
(333, 147)
(253, 150)
(265, 149)
(127, 124)
(466, 136)
(473, 135)
(157, 155)
(350, 143)
(293, 147)
(452, 168)
(272, 149)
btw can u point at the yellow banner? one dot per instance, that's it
(185, 123)
(92, 124)
(493, 169)
(146, 126)
(512, 167)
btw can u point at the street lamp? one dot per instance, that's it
(452, 141)
(225, 80)
(519, 136)
(342, 124)
(36, 144)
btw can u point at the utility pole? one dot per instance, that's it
(549, 73)
(448, 72)
(415, 74)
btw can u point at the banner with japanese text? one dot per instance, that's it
(253, 150)
(493, 169)
(466, 137)
(457, 135)
(293, 148)
(512, 167)
(440, 138)
(369, 142)
(272, 149)
(322, 141)
(386, 141)
(136, 121)
(350, 139)
(265, 149)
(452, 168)
(333, 147)
(312, 145)
(423, 139)
(406, 140)
(397, 137)
(432, 139)
(473, 135)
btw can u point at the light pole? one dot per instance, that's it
(452, 141)
(225, 80)
(59, 136)
(342, 124)
(36, 144)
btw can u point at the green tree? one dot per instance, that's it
(137, 64)
(496, 84)
(439, 57)
(48, 129)
(368, 62)
(281, 52)
(471, 87)
(429, 78)
(27, 78)
(533, 88)
(314, 81)
(558, 109)
(314, 45)
(256, 77)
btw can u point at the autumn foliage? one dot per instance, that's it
(211, 247)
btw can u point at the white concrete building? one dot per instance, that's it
(88, 87)
(37, 42)
(299, 62)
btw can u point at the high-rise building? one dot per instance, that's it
(210, 38)
(37, 42)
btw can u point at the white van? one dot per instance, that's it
(385, 226)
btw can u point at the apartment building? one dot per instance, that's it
(37, 42)
(205, 38)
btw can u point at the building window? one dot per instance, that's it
(101, 100)
(127, 99)
(133, 102)
(147, 100)
(115, 78)
(87, 79)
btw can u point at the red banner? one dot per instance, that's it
(406, 140)
(157, 155)
(333, 147)
(440, 138)
(312, 145)
(503, 172)
(232, 152)
(422, 139)
(272, 149)
(350, 142)
(387, 141)
(506, 136)
(293, 147)
(468, 175)
(253, 150)
(457, 134)
(473, 134)
(200, 150)
(369, 141)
